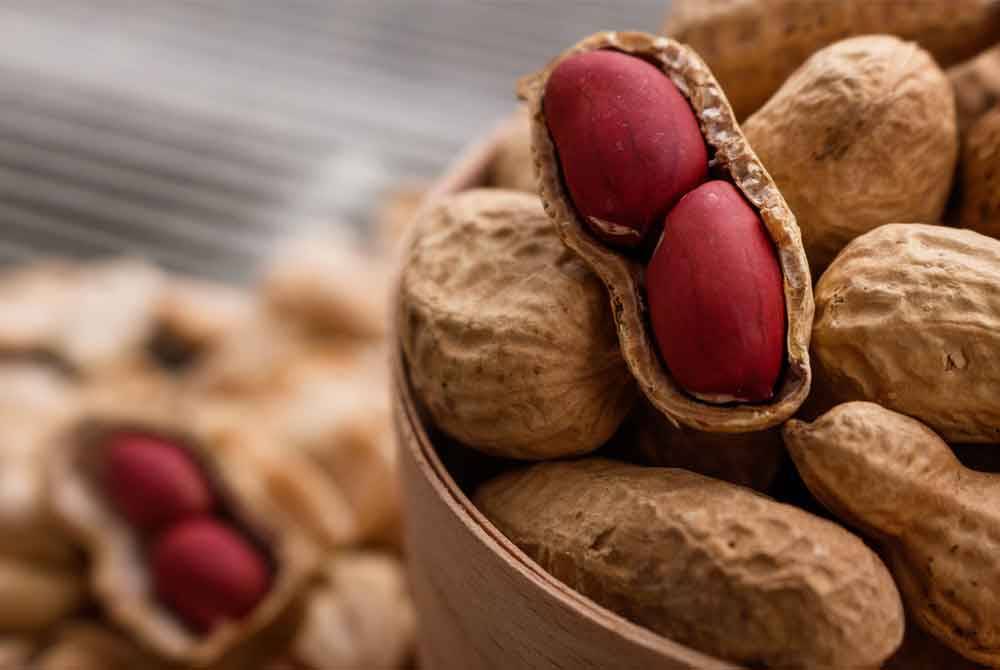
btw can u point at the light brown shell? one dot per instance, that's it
(89, 645)
(747, 459)
(508, 336)
(703, 562)
(936, 521)
(979, 209)
(754, 45)
(512, 166)
(861, 135)
(976, 85)
(119, 579)
(623, 276)
(908, 316)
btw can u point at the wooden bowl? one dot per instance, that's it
(483, 603)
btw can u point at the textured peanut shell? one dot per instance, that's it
(507, 335)
(513, 167)
(976, 85)
(623, 275)
(709, 564)
(936, 522)
(754, 45)
(908, 316)
(979, 209)
(861, 135)
(119, 577)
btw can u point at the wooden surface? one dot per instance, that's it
(197, 132)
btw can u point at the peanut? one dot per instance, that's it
(908, 316)
(754, 45)
(976, 85)
(853, 135)
(154, 482)
(508, 336)
(629, 145)
(512, 167)
(934, 520)
(979, 208)
(706, 563)
(207, 573)
(715, 297)
(623, 274)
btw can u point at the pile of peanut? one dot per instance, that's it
(754, 264)
(196, 475)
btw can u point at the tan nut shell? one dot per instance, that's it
(754, 45)
(118, 577)
(623, 276)
(980, 186)
(908, 316)
(976, 85)
(706, 563)
(34, 595)
(936, 521)
(88, 645)
(513, 167)
(861, 135)
(507, 334)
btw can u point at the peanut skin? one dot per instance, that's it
(706, 563)
(629, 144)
(936, 521)
(716, 299)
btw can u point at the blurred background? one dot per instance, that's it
(196, 132)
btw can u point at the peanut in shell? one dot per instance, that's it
(979, 207)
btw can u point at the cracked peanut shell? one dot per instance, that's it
(732, 159)
(706, 563)
(120, 575)
(908, 316)
(507, 334)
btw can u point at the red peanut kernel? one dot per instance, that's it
(716, 301)
(628, 142)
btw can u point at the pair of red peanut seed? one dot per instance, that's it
(202, 568)
(635, 163)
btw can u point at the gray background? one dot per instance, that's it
(197, 132)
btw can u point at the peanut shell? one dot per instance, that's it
(120, 578)
(507, 334)
(908, 316)
(623, 275)
(709, 564)
(754, 45)
(36, 595)
(89, 645)
(513, 167)
(934, 520)
(853, 135)
(976, 85)
(979, 208)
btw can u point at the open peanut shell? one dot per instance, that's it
(119, 578)
(732, 159)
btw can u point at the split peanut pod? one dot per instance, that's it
(754, 45)
(935, 520)
(186, 557)
(724, 346)
(703, 562)
(908, 316)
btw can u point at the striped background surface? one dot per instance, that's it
(196, 132)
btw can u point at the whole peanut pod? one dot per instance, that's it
(567, 140)
(508, 336)
(908, 316)
(703, 562)
(853, 134)
(754, 45)
(979, 208)
(935, 521)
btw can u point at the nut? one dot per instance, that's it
(628, 145)
(754, 45)
(715, 298)
(512, 167)
(908, 316)
(705, 563)
(34, 596)
(976, 85)
(980, 203)
(152, 482)
(853, 135)
(733, 160)
(208, 573)
(508, 336)
(86, 645)
(934, 520)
